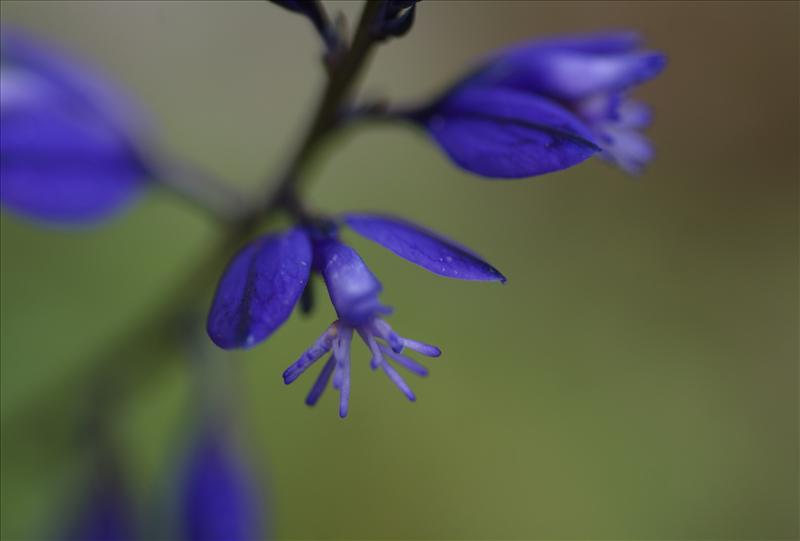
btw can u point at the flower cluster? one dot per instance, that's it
(72, 152)
(543, 106)
(265, 280)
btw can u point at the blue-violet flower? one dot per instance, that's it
(546, 105)
(264, 281)
(68, 152)
(219, 499)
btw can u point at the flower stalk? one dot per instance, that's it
(133, 359)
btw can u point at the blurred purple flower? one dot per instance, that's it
(219, 496)
(264, 281)
(68, 153)
(107, 512)
(546, 105)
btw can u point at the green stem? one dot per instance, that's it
(134, 360)
(203, 190)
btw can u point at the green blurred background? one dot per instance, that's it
(636, 378)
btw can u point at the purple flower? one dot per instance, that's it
(69, 148)
(219, 498)
(496, 132)
(547, 105)
(258, 291)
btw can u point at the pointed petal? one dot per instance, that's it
(384, 331)
(322, 382)
(377, 356)
(259, 289)
(344, 391)
(406, 362)
(423, 247)
(398, 380)
(310, 356)
(422, 348)
(504, 133)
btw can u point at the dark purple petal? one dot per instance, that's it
(69, 150)
(321, 383)
(406, 362)
(65, 169)
(423, 247)
(219, 499)
(398, 380)
(259, 289)
(501, 133)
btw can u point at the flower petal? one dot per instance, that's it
(634, 114)
(74, 84)
(565, 74)
(406, 362)
(502, 133)
(70, 145)
(627, 148)
(65, 169)
(218, 497)
(423, 247)
(259, 289)
(322, 382)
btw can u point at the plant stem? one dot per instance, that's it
(137, 357)
(326, 120)
(201, 189)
